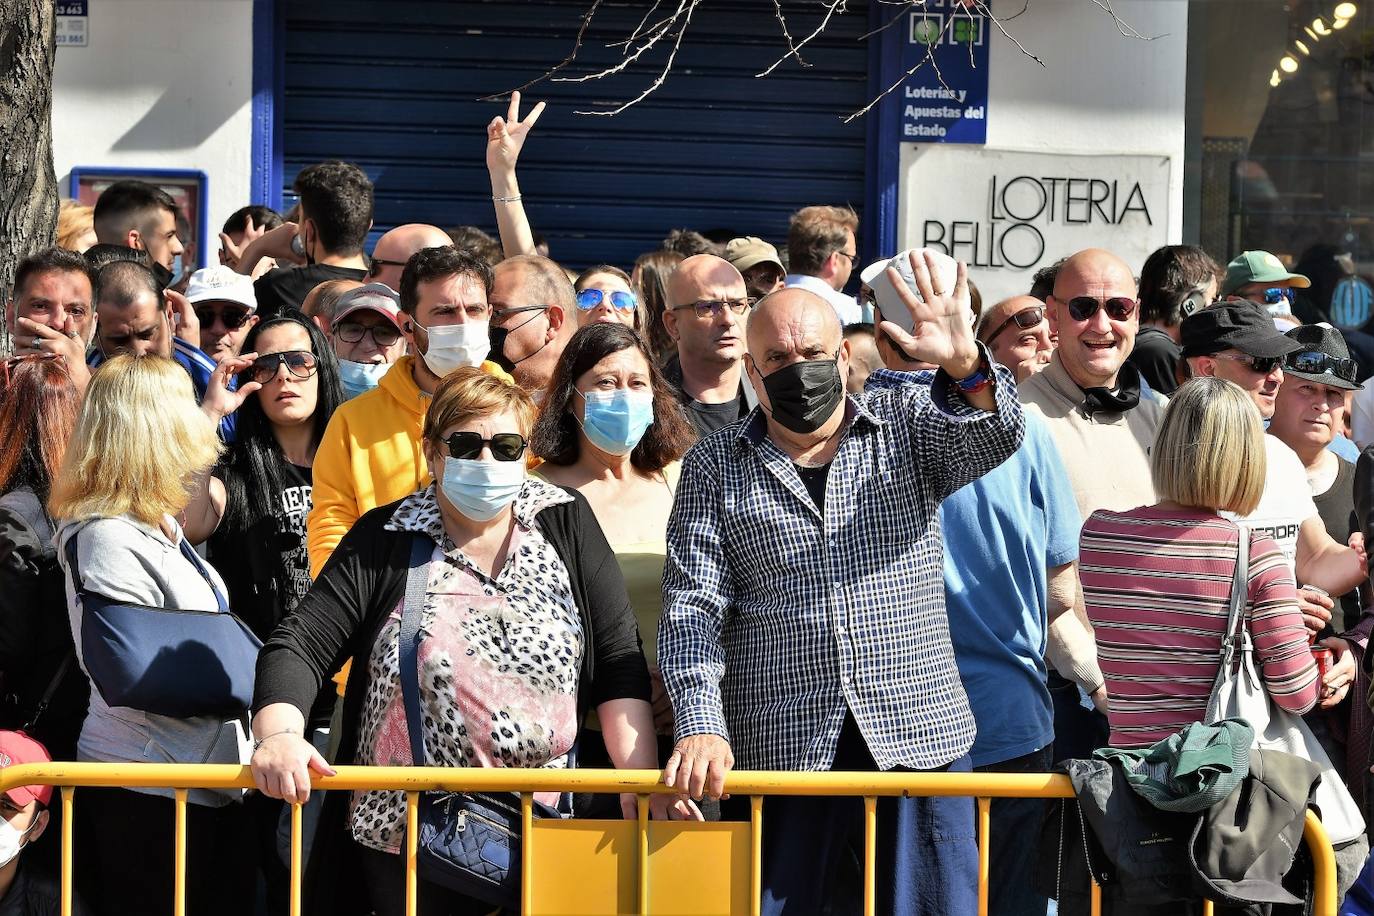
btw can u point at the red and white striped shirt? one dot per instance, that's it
(1157, 585)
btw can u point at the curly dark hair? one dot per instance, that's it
(442, 261)
(555, 437)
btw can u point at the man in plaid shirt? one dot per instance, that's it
(804, 624)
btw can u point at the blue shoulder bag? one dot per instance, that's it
(166, 661)
(469, 842)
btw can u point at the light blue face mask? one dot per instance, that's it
(360, 378)
(615, 421)
(481, 489)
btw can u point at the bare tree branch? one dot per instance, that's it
(983, 8)
(577, 46)
(832, 7)
(667, 66)
(659, 30)
(1121, 26)
(929, 58)
(791, 45)
(638, 29)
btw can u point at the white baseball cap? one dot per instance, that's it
(221, 284)
(875, 276)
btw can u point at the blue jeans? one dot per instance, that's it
(1013, 844)
(927, 852)
(1078, 730)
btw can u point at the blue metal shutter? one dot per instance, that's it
(393, 86)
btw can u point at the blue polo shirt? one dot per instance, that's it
(1002, 533)
(197, 364)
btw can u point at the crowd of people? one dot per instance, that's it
(471, 508)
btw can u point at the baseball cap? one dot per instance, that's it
(375, 296)
(1258, 267)
(748, 251)
(17, 748)
(1338, 371)
(885, 296)
(1241, 324)
(221, 284)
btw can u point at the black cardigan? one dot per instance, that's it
(348, 604)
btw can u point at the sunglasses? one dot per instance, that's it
(1025, 320)
(504, 446)
(300, 363)
(710, 308)
(1118, 308)
(1260, 364)
(1276, 294)
(382, 335)
(589, 299)
(1314, 362)
(233, 319)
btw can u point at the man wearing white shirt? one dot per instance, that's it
(821, 254)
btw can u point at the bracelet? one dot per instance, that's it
(976, 382)
(259, 742)
(506, 200)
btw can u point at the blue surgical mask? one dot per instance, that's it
(481, 489)
(616, 420)
(360, 378)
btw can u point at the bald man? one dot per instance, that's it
(533, 309)
(706, 313)
(1017, 331)
(395, 247)
(803, 621)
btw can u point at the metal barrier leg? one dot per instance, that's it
(179, 873)
(643, 810)
(984, 852)
(1207, 908)
(412, 843)
(295, 860)
(526, 866)
(870, 855)
(1324, 900)
(67, 874)
(1096, 899)
(755, 854)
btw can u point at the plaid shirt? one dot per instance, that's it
(777, 618)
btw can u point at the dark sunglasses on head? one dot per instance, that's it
(504, 446)
(710, 308)
(1025, 320)
(383, 335)
(1261, 364)
(589, 299)
(1118, 308)
(1315, 362)
(300, 363)
(233, 318)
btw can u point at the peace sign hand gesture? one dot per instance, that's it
(506, 136)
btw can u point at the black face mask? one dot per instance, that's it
(804, 395)
(162, 274)
(498, 346)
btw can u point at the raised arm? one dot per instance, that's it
(505, 138)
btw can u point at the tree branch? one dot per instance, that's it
(1121, 26)
(577, 46)
(832, 7)
(667, 66)
(929, 58)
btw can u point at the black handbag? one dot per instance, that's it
(469, 842)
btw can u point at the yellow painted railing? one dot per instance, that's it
(739, 844)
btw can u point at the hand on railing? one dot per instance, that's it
(699, 763)
(282, 764)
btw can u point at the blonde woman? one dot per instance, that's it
(75, 226)
(1157, 579)
(140, 443)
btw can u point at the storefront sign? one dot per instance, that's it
(1007, 214)
(946, 99)
(72, 21)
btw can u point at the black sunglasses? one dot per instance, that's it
(1315, 362)
(504, 446)
(1025, 320)
(300, 363)
(1260, 364)
(1118, 308)
(233, 318)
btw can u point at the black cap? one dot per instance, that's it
(1338, 370)
(1239, 324)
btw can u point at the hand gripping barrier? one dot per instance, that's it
(599, 867)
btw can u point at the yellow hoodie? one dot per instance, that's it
(370, 456)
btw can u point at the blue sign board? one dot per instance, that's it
(946, 99)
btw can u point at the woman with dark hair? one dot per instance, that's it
(611, 429)
(604, 293)
(38, 409)
(653, 270)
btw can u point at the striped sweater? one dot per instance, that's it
(1157, 587)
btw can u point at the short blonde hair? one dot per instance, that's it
(466, 393)
(73, 221)
(1209, 452)
(139, 445)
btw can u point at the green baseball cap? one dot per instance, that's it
(1259, 267)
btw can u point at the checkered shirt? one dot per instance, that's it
(777, 618)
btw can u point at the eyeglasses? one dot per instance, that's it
(383, 335)
(1118, 308)
(1315, 362)
(233, 318)
(1025, 320)
(376, 263)
(498, 313)
(710, 308)
(300, 363)
(504, 446)
(589, 299)
(1276, 294)
(852, 257)
(1262, 365)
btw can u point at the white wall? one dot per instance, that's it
(162, 84)
(1099, 92)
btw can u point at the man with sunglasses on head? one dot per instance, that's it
(395, 248)
(370, 454)
(225, 306)
(708, 307)
(1017, 331)
(1261, 277)
(1236, 340)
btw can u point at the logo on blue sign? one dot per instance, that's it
(945, 99)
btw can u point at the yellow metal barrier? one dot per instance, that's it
(652, 862)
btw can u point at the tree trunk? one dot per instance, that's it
(28, 187)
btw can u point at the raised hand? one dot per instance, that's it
(185, 324)
(941, 333)
(229, 253)
(219, 402)
(506, 136)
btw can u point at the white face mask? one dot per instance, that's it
(12, 840)
(455, 345)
